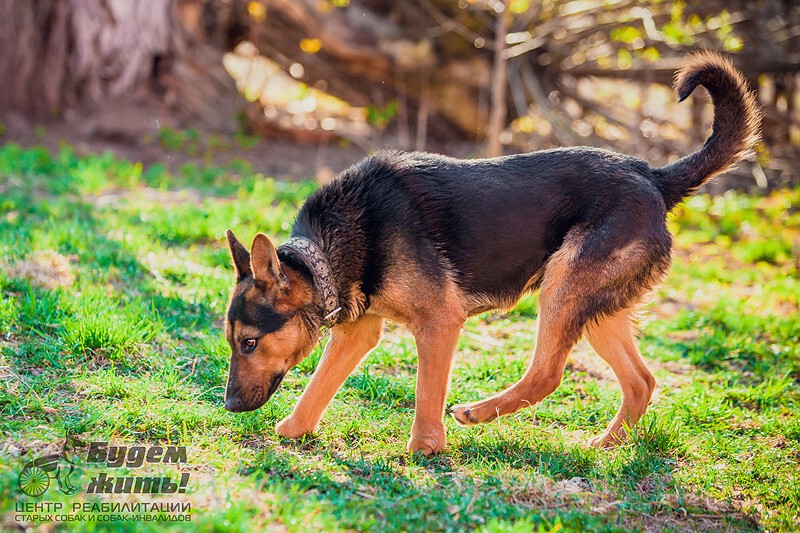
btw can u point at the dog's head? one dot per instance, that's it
(264, 324)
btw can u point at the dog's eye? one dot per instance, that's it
(248, 345)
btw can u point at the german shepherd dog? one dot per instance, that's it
(427, 241)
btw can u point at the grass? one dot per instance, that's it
(133, 351)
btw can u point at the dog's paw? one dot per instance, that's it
(607, 440)
(426, 444)
(469, 414)
(463, 414)
(292, 429)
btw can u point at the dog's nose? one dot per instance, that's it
(233, 404)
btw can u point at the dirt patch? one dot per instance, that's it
(279, 158)
(694, 511)
(544, 492)
(147, 194)
(47, 269)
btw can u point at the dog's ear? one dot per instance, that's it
(264, 262)
(287, 289)
(240, 256)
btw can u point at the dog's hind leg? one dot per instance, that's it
(612, 337)
(348, 345)
(555, 338)
(587, 278)
(558, 332)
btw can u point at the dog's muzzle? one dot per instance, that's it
(235, 402)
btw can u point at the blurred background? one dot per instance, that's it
(133, 133)
(302, 88)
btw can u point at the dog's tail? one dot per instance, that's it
(736, 126)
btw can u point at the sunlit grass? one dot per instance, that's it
(133, 351)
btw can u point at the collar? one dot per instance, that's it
(313, 257)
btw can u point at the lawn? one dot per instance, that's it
(126, 345)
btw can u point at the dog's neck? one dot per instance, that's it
(308, 253)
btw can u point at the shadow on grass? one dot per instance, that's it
(355, 491)
(544, 458)
(475, 485)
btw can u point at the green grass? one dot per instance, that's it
(133, 351)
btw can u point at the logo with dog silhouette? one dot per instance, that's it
(36, 476)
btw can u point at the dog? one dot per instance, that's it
(427, 241)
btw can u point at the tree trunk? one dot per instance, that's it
(73, 54)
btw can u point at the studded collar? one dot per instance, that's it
(312, 256)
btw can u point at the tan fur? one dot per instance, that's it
(612, 338)
(358, 300)
(412, 297)
(475, 304)
(283, 285)
(348, 345)
(560, 264)
(273, 345)
(436, 342)
(435, 314)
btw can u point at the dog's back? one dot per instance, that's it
(492, 224)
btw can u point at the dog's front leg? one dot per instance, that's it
(435, 345)
(348, 345)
